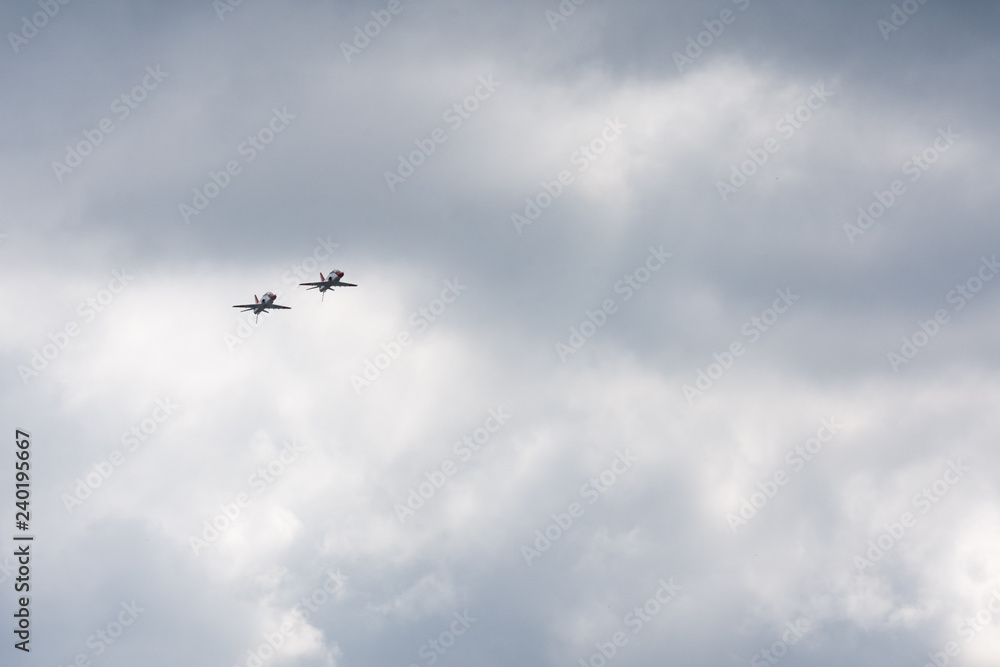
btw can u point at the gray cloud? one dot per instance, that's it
(375, 386)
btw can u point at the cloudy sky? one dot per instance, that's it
(674, 340)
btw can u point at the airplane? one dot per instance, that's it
(331, 280)
(260, 305)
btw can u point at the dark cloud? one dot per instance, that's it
(536, 167)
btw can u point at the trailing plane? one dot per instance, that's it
(332, 279)
(260, 305)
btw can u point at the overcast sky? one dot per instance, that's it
(674, 339)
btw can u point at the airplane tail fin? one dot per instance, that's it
(321, 276)
(255, 299)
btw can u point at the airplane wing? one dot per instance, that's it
(282, 307)
(313, 284)
(345, 285)
(248, 305)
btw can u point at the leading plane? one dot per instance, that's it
(332, 279)
(260, 305)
